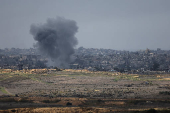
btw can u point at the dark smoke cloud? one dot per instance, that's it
(56, 40)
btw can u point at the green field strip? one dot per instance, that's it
(33, 77)
(2, 89)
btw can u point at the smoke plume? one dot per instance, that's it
(56, 40)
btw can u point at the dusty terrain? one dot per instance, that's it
(82, 91)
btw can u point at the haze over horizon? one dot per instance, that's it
(112, 24)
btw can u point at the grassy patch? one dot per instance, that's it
(127, 77)
(34, 77)
(4, 77)
(2, 89)
(116, 79)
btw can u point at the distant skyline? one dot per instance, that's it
(109, 24)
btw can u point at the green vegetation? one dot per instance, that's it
(35, 77)
(126, 77)
(164, 92)
(2, 89)
(116, 79)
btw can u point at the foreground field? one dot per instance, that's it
(83, 91)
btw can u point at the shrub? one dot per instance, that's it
(48, 101)
(8, 100)
(25, 100)
(69, 104)
(164, 92)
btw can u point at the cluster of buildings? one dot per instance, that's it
(123, 61)
(92, 59)
(19, 59)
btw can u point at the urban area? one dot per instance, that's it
(92, 59)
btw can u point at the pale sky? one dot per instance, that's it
(110, 24)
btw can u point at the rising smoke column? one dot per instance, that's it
(56, 40)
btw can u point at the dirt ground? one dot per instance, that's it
(79, 90)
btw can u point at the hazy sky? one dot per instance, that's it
(113, 24)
